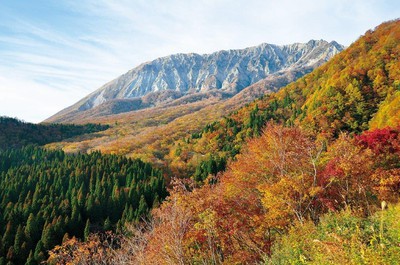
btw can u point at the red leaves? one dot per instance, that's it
(330, 171)
(381, 141)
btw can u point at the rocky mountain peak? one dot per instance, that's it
(227, 71)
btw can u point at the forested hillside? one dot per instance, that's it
(356, 90)
(287, 198)
(48, 196)
(15, 133)
(314, 180)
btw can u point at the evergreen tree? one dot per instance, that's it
(18, 245)
(142, 209)
(39, 255)
(107, 224)
(30, 260)
(86, 232)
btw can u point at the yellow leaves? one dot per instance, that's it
(278, 213)
(205, 226)
(387, 183)
(353, 93)
(313, 191)
(287, 199)
(207, 218)
(380, 79)
(388, 113)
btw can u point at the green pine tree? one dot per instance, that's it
(86, 232)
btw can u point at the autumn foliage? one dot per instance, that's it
(283, 178)
(322, 154)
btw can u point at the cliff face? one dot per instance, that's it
(169, 78)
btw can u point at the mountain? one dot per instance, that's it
(165, 80)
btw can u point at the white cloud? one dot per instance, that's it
(35, 100)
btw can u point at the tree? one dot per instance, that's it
(142, 210)
(86, 231)
(107, 224)
(20, 245)
(39, 255)
(32, 232)
(8, 237)
(30, 260)
(48, 236)
(346, 176)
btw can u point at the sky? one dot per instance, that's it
(55, 52)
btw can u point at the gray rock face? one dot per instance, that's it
(227, 71)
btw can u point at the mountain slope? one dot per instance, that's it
(15, 133)
(355, 91)
(169, 78)
(149, 134)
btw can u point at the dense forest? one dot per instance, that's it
(288, 198)
(48, 196)
(15, 133)
(312, 175)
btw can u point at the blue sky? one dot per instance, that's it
(54, 52)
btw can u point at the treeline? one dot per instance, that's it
(47, 197)
(15, 133)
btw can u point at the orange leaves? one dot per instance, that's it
(278, 151)
(166, 244)
(387, 184)
(281, 165)
(346, 176)
(97, 250)
(281, 178)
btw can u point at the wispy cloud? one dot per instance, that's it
(51, 55)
